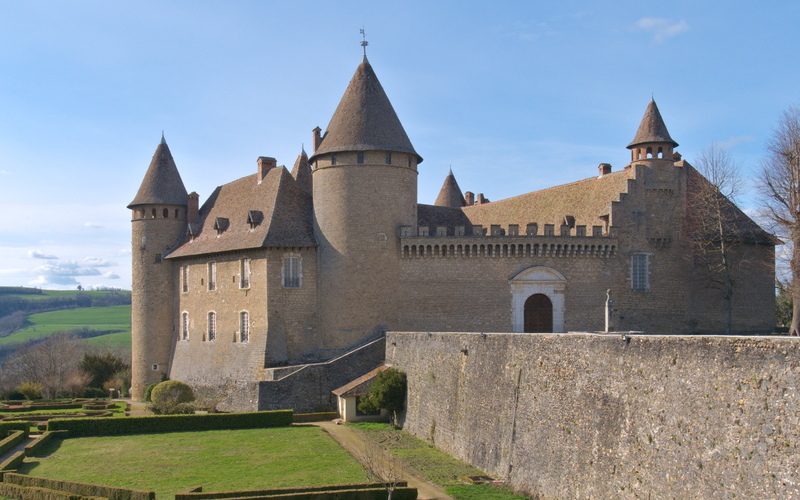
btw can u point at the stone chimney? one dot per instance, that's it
(604, 169)
(480, 200)
(316, 138)
(469, 196)
(193, 208)
(265, 164)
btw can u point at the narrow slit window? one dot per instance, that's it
(244, 326)
(245, 274)
(185, 326)
(212, 326)
(212, 276)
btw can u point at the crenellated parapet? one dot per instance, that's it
(448, 247)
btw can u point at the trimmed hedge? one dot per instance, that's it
(23, 493)
(32, 447)
(12, 462)
(352, 491)
(197, 494)
(82, 489)
(14, 438)
(170, 423)
(315, 417)
(6, 427)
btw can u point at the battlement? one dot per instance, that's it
(567, 228)
(446, 247)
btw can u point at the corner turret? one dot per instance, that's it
(652, 140)
(159, 218)
(302, 172)
(450, 194)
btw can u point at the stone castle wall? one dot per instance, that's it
(607, 416)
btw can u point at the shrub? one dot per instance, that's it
(148, 391)
(171, 397)
(101, 367)
(388, 392)
(94, 392)
(79, 427)
(31, 390)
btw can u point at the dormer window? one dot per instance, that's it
(254, 218)
(220, 225)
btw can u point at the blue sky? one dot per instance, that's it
(514, 96)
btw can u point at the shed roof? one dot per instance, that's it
(361, 385)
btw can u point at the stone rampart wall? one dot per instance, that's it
(607, 416)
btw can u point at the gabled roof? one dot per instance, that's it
(652, 128)
(273, 213)
(365, 119)
(361, 385)
(162, 184)
(450, 195)
(585, 200)
(707, 207)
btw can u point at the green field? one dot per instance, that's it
(57, 293)
(217, 460)
(97, 318)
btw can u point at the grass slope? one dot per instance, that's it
(217, 460)
(97, 318)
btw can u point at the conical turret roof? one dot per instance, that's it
(450, 194)
(652, 128)
(162, 184)
(365, 119)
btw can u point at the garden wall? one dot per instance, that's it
(611, 416)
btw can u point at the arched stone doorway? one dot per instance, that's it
(538, 280)
(538, 312)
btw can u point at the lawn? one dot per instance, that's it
(97, 318)
(217, 460)
(433, 465)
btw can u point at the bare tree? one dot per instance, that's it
(380, 468)
(714, 223)
(52, 363)
(780, 190)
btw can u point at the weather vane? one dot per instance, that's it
(364, 41)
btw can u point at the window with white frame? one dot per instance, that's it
(244, 326)
(212, 326)
(185, 326)
(244, 281)
(185, 278)
(212, 276)
(640, 271)
(292, 272)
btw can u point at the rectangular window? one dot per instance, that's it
(212, 326)
(245, 274)
(388, 158)
(212, 276)
(185, 278)
(291, 272)
(244, 326)
(185, 326)
(360, 157)
(158, 258)
(640, 270)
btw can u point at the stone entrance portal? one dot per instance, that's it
(538, 314)
(535, 292)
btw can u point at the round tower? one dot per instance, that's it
(159, 222)
(364, 190)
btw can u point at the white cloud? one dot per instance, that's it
(65, 268)
(36, 254)
(661, 28)
(735, 141)
(97, 262)
(93, 225)
(110, 275)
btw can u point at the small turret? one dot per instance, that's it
(450, 194)
(302, 172)
(652, 140)
(159, 221)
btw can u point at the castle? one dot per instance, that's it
(284, 268)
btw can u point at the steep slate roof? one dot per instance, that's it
(302, 172)
(450, 195)
(652, 128)
(282, 208)
(162, 184)
(365, 119)
(737, 226)
(361, 385)
(432, 215)
(585, 200)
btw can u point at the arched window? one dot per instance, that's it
(165, 213)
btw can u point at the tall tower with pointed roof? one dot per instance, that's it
(652, 140)
(159, 221)
(365, 189)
